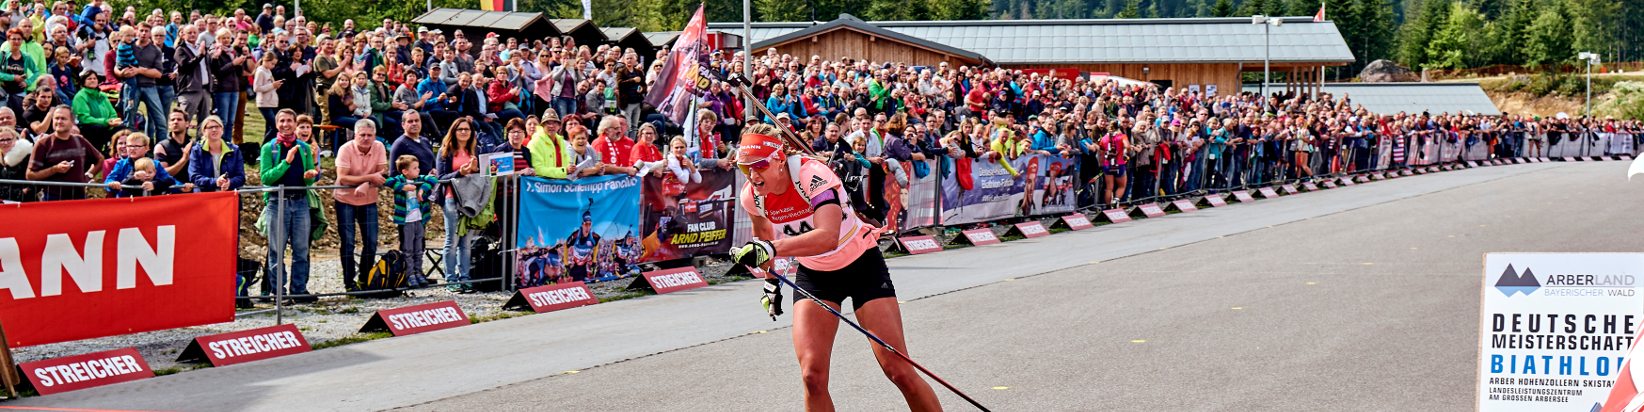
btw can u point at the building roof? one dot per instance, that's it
(846, 21)
(570, 25)
(1096, 41)
(618, 33)
(495, 20)
(1412, 98)
(659, 38)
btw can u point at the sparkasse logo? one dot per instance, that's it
(1512, 282)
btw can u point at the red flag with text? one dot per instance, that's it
(682, 77)
(91, 268)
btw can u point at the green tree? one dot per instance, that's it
(900, 10)
(1510, 33)
(780, 10)
(1595, 24)
(1131, 11)
(962, 9)
(1455, 44)
(1223, 8)
(1550, 37)
(1418, 31)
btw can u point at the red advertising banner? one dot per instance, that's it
(1032, 229)
(1215, 200)
(1077, 221)
(1184, 205)
(1243, 196)
(554, 297)
(1268, 192)
(417, 319)
(919, 245)
(1152, 210)
(1116, 215)
(92, 268)
(53, 376)
(674, 280)
(247, 345)
(980, 237)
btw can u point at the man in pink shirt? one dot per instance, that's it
(614, 146)
(361, 163)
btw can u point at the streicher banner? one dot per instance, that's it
(91, 268)
(1555, 329)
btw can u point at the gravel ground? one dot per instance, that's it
(332, 318)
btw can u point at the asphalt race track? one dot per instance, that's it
(1359, 298)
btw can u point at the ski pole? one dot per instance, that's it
(870, 335)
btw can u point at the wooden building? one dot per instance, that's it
(856, 39)
(1193, 54)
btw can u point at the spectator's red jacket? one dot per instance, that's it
(499, 92)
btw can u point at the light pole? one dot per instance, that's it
(1592, 59)
(747, 52)
(1267, 48)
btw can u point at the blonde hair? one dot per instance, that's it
(137, 135)
(678, 140)
(144, 164)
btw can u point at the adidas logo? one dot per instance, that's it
(885, 286)
(817, 182)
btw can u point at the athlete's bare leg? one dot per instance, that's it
(813, 332)
(883, 318)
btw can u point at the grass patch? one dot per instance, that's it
(177, 369)
(629, 295)
(728, 279)
(355, 338)
(496, 316)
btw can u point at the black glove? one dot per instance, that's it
(754, 254)
(772, 301)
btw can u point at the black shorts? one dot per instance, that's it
(863, 281)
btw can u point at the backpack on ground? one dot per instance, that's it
(388, 273)
(487, 263)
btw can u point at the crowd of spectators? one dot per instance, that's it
(155, 103)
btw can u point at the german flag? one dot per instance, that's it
(497, 5)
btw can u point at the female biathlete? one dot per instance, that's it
(838, 258)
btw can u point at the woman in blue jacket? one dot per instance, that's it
(215, 165)
(783, 102)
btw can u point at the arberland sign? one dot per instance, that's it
(1554, 329)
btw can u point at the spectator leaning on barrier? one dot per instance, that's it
(413, 205)
(172, 152)
(458, 157)
(149, 182)
(614, 146)
(285, 161)
(64, 157)
(362, 164)
(14, 156)
(214, 164)
(551, 155)
(412, 143)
